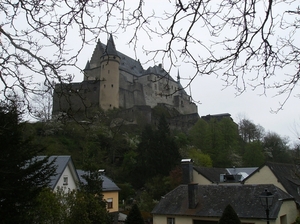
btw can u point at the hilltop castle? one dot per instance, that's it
(114, 80)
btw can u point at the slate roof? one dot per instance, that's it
(213, 174)
(107, 184)
(127, 63)
(212, 200)
(61, 162)
(287, 175)
(110, 48)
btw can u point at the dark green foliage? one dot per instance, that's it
(157, 153)
(253, 155)
(22, 177)
(87, 208)
(134, 216)
(229, 216)
(276, 148)
(218, 139)
(50, 208)
(87, 205)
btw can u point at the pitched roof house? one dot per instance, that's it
(204, 204)
(284, 176)
(194, 203)
(211, 175)
(110, 191)
(65, 177)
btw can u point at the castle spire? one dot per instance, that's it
(88, 65)
(110, 47)
(178, 76)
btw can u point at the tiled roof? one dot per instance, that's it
(212, 200)
(107, 185)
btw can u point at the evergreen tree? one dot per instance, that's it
(157, 153)
(87, 205)
(134, 216)
(229, 216)
(22, 175)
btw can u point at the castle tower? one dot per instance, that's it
(92, 69)
(109, 77)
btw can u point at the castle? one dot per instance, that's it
(114, 80)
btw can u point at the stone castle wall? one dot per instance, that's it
(114, 80)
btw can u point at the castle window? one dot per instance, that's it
(109, 105)
(104, 86)
(112, 85)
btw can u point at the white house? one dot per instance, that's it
(66, 177)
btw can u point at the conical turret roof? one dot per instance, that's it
(110, 47)
(88, 65)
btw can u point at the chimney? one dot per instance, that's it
(187, 171)
(193, 195)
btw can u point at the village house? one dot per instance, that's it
(66, 177)
(110, 190)
(205, 193)
(284, 176)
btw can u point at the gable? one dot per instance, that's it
(67, 180)
(64, 167)
(264, 176)
(281, 175)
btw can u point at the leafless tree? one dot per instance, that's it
(41, 107)
(246, 43)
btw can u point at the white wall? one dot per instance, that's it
(72, 181)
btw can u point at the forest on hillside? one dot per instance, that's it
(144, 160)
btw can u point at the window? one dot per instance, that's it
(170, 220)
(109, 202)
(65, 180)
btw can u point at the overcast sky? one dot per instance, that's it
(207, 90)
(214, 99)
